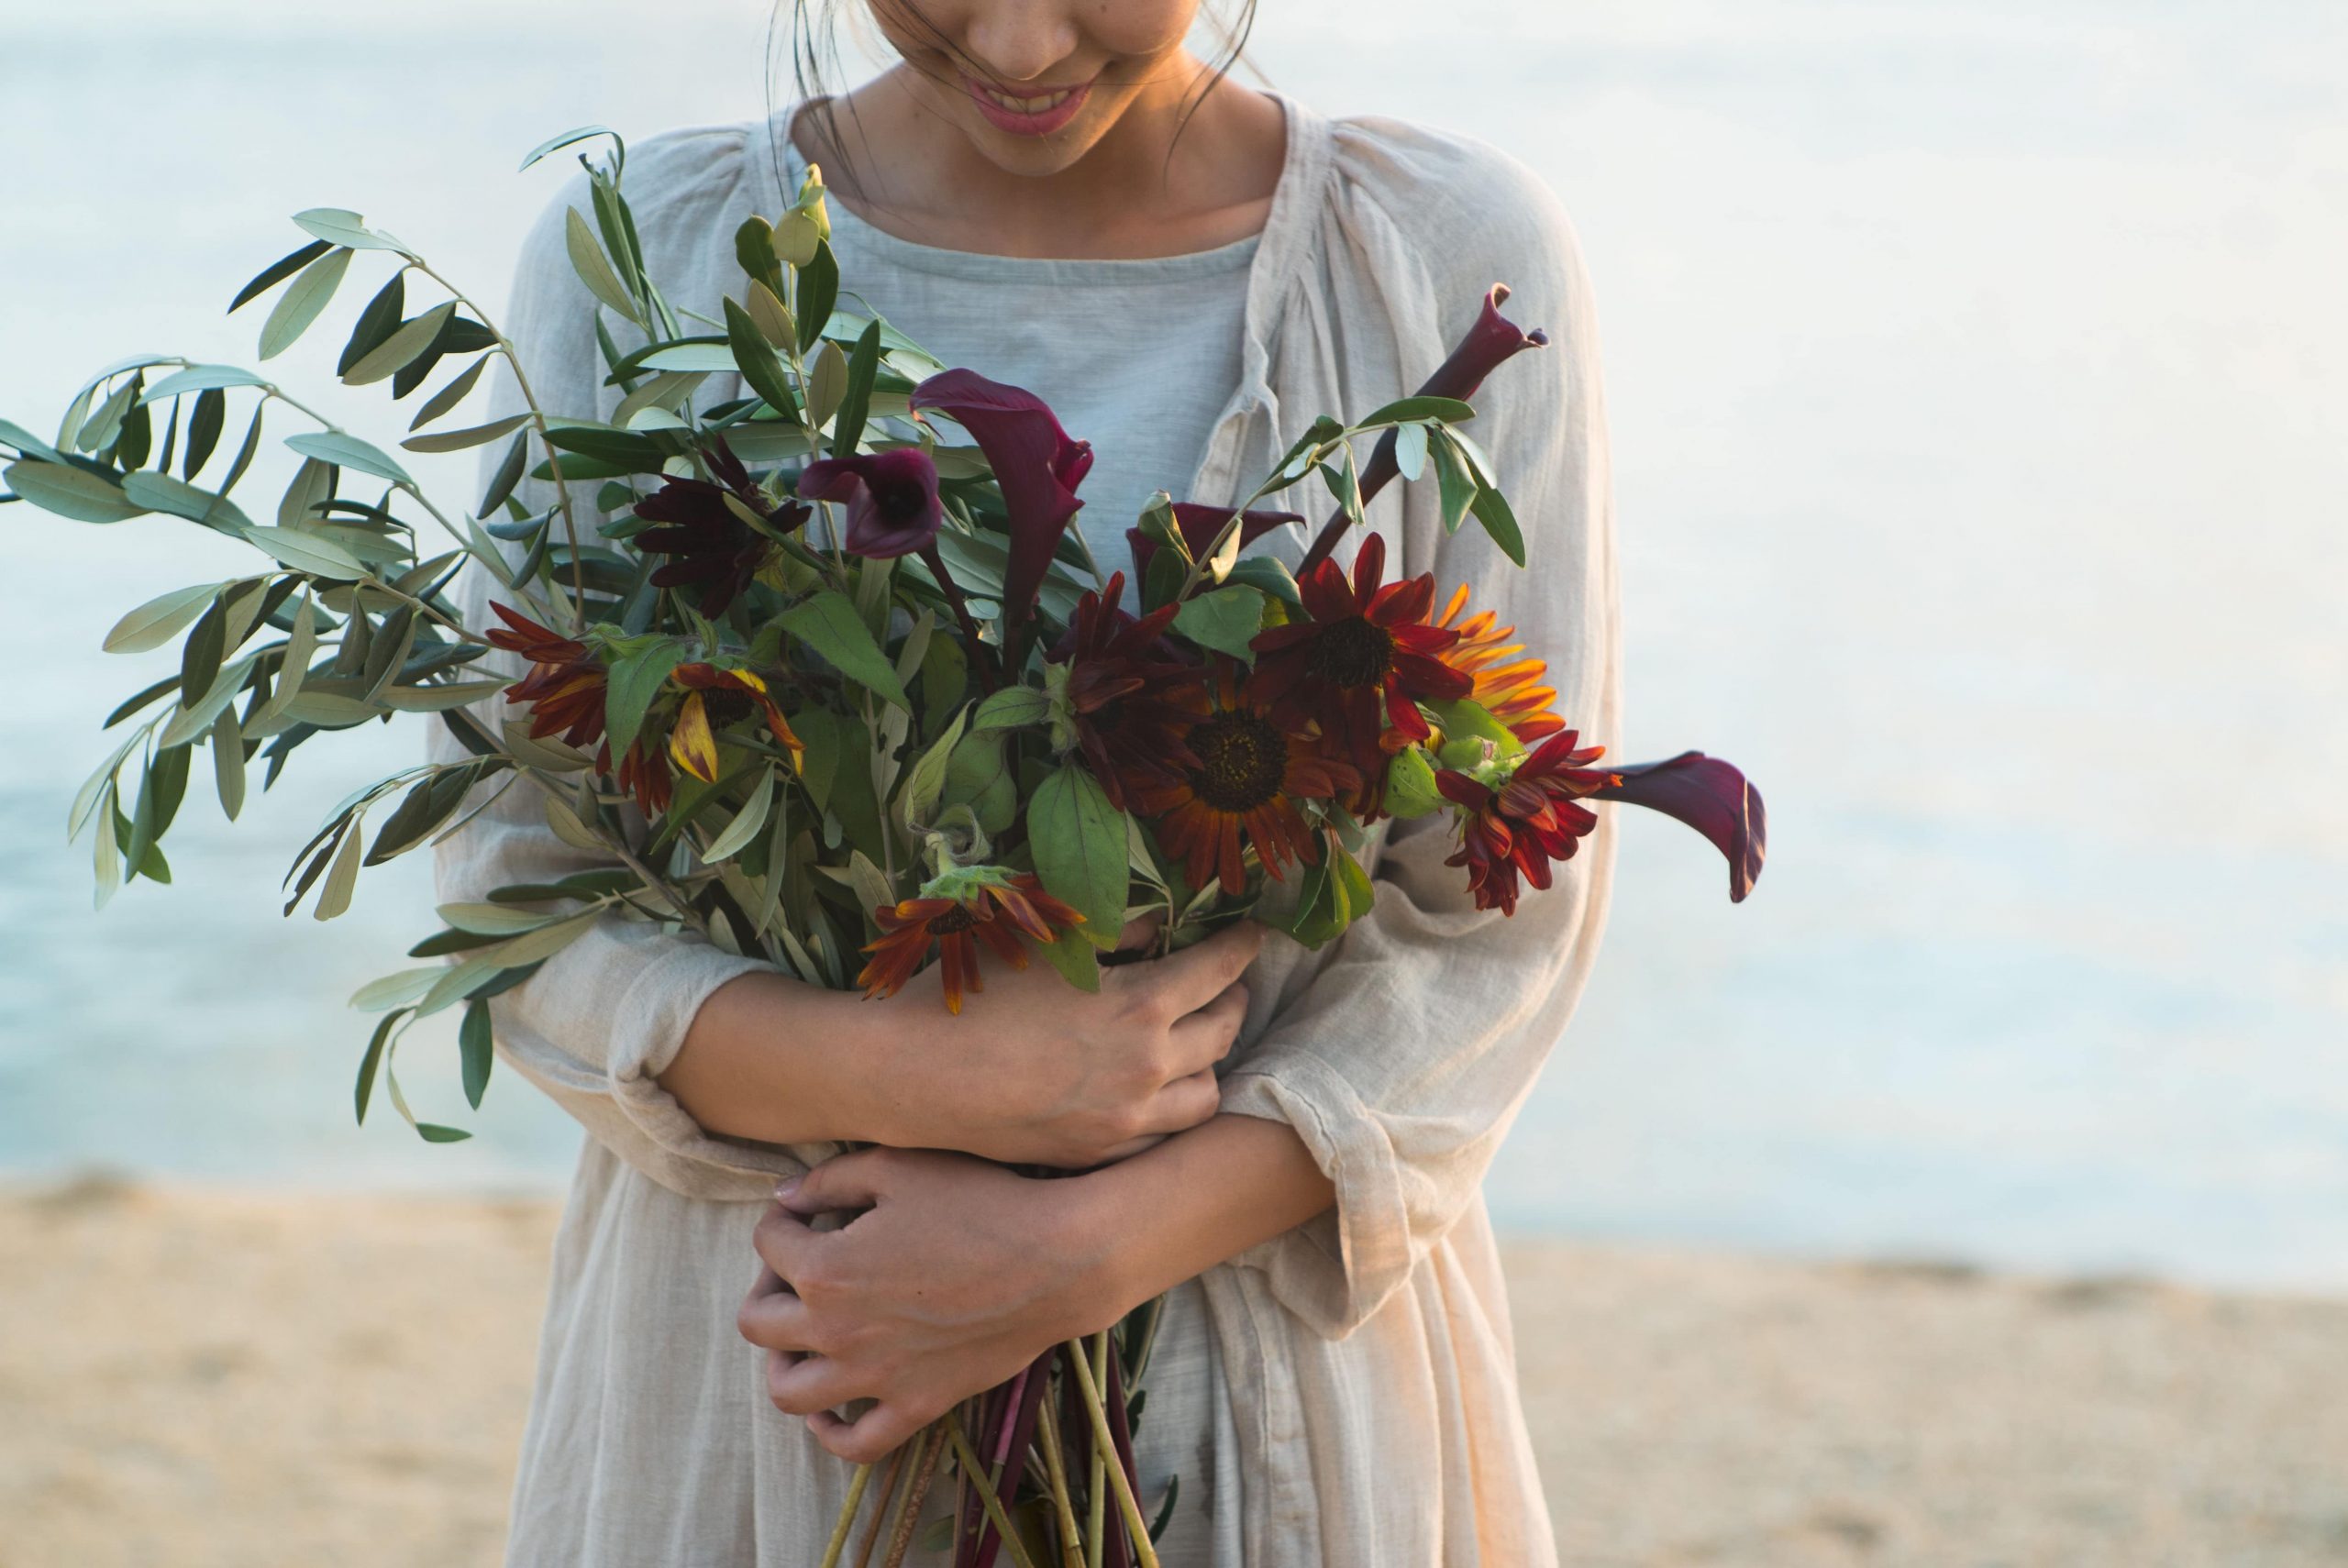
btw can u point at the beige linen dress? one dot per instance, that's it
(1351, 1384)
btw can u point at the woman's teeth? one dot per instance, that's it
(1028, 106)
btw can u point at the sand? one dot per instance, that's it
(197, 1378)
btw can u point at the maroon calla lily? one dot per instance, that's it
(1490, 342)
(1711, 796)
(1035, 463)
(1199, 525)
(891, 497)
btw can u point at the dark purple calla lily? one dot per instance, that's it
(1037, 465)
(1711, 796)
(891, 497)
(1200, 525)
(1490, 342)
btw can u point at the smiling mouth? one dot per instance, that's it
(1027, 114)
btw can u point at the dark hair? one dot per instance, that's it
(811, 45)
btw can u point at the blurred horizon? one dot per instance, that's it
(1977, 380)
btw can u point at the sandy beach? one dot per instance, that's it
(191, 1378)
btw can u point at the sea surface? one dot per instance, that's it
(1979, 387)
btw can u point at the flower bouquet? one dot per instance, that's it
(837, 685)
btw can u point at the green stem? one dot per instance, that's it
(976, 1475)
(1097, 1490)
(847, 1515)
(1056, 1475)
(1105, 1442)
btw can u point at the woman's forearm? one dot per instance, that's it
(817, 1080)
(1197, 1199)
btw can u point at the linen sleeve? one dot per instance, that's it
(1403, 1060)
(604, 1017)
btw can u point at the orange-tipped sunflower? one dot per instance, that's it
(1252, 770)
(997, 911)
(715, 698)
(1507, 687)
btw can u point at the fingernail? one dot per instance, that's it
(785, 1190)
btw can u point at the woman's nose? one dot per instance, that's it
(1018, 42)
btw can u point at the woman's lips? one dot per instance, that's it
(1037, 112)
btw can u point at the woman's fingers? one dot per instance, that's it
(844, 1181)
(777, 1320)
(1186, 1102)
(785, 1242)
(1200, 1039)
(804, 1384)
(1196, 976)
(871, 1438)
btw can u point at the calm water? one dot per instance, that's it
(1980, 383)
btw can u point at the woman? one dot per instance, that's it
(1060, 195)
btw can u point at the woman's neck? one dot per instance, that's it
(1140, 191)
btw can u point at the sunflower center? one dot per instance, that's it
(958, 918)
(1353, 652)
(1242, 761)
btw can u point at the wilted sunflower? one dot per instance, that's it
(997, 913)
(1251, 770)
(715, 698)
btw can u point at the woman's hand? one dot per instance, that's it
(1036, 1072)
(1033, 1072)
(957, 1274)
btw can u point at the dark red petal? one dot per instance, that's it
(1711, 796)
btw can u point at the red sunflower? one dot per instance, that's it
(715, 698)
(1532, 819)
(996, 912)
(565, 686)
(711, 546)
(1128, 698)
(1506, 687)
(1362, 658)
(1252, 769)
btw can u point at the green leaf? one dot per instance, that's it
(1079, 962)
(494, 919)
(1079, 839)
(746, 823)
(1410, 784)
(195, 717)
(228, 763)
(376, 323)
(334, 897)
(630, 688)
(300, 305)
(397, 990)
(556, 144)
(306, 553)
(348, 452)
(595, 268)
(202, 378)
(277, 272)
(1493, 511)
(200, 657)
(372, 1062)
(1014, 707)
(204, 428)
(818, 291)
(70, 492)
(433, 1133)
(177, 498)
(979, 776)
(1410, 451)
(508, 475)
(27, 443)
(1467, 727)
(1420, 407)
(337, 227)
(925, 781)
(863, 364)
(828, 624)
(449, 396)
(474, 1051)
(762, 372)
(457, 440)
(1456, 485)
(156, 622)
(401, 349)
(1266, 574)
(1226, 620)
